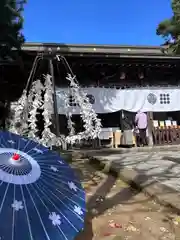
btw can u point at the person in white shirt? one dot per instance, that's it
(141, 123)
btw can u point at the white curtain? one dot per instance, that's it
(106, 100)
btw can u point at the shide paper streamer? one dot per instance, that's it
(40, 97)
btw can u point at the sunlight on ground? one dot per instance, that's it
(116, 212)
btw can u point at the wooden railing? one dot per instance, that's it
(166, 135)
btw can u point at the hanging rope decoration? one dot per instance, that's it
(48, 138)
(28, 106)
(92, 124)
(18, 122)
(35, 102)
(70, 123)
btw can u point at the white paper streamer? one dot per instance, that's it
(28, 107)
(35, 102)
(92, 124)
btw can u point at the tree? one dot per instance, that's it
(169, 29)
(11, 38)
(11, 24)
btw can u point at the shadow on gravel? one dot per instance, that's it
(98, 204)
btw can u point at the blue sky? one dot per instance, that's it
(129, 22)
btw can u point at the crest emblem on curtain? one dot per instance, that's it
(152, 99)
(165, 98)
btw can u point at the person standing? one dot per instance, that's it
(141, 123)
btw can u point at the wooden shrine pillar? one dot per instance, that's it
(150, 128)
(56, 116)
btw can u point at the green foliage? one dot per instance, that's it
(11, 24)
(169, 29)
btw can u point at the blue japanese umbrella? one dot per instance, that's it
(40, 197)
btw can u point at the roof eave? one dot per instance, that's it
(107, 50)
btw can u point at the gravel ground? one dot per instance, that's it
(116, 211)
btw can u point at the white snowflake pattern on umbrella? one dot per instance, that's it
(72, 186)
(78, 210)
(25, 140)
(55, 218)
(11, 141)
(17, 205)
(54, 169)
(38, 150)
(61, 162)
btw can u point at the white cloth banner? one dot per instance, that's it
(106, 100)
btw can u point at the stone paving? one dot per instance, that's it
(164, 167)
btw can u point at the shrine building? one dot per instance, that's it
(119, 81)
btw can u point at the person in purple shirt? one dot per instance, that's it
(141, 124)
